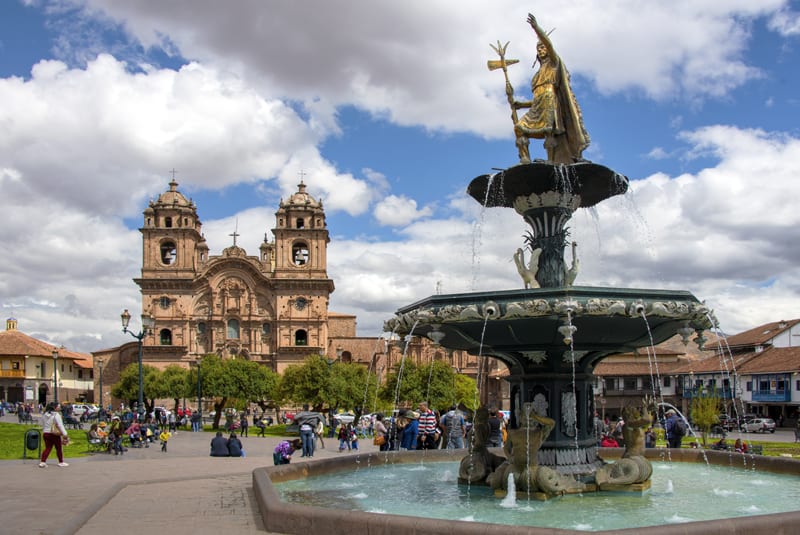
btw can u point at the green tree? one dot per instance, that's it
(328, 386)
(309, 382)
(435, 382)
(170, 383)
(128, 385)
(704, 410)
(232, 381)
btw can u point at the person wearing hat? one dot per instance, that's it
(115, 434)
(409, 439)
(674, 437)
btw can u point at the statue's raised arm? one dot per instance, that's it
(554, 114)
(544, 39)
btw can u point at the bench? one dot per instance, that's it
(96, 445)
(755, 449)
(72, 423)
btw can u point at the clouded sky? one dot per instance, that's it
(389, 111)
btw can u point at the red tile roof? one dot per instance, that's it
(773, 360)
(762, 334)
(14, 343)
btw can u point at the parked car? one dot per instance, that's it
(345, 417)
(759, 425)
(78, 409)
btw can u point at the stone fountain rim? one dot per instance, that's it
(293, 519)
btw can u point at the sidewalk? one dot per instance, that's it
(144, 490)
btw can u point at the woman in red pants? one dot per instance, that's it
(54, 433)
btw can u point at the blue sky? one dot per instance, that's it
(389, 111)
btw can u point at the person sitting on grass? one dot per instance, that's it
(283, 451)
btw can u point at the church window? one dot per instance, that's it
(300, 338)
(265, 328)
(185, 221)
(300, 223)
(300, 254)
(164, 302)
(201, 328)
(168, 222)
(233, 328)
(168, 253)
(165, 337)
(149, 221)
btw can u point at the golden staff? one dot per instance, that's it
(503, 63)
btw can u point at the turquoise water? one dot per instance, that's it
(681, 492)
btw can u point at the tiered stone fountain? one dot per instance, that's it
(550, 334)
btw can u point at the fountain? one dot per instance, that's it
(550, 334)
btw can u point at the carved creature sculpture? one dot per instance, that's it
(528, 273)
(476, 466)
(571, 273)
(633, 467)
(521, 449)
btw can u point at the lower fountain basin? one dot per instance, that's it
(744, 475)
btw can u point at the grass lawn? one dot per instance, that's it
(12, 442)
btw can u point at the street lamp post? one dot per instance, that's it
(126, 320)
(100, 367)
(199, 386)
(55, 375)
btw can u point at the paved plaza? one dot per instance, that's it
(183, 491)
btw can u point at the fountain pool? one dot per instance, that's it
(733, 493)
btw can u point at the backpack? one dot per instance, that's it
(679, 428)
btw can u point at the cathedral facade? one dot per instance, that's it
(271, 308)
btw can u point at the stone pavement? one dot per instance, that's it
(183, 491)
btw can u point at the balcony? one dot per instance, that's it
(12, 374)
(772, 395)
(690, 393)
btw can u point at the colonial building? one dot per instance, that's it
(271, 308)
(31, 370)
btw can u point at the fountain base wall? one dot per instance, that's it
(281, 517)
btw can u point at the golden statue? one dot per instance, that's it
(553, 113)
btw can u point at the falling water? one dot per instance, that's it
(725, 353)
(572, 329)
(477, 235)
(652, 361)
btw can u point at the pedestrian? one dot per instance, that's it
(164, 438)
(381, 433)
(55, 435)
(307, 421)
(115, 433)
(675, 429)
(495, 430)
(428, 427)
(345, 432)
(454, 425)
(408, 436)
(283, 451)
(243, 425)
